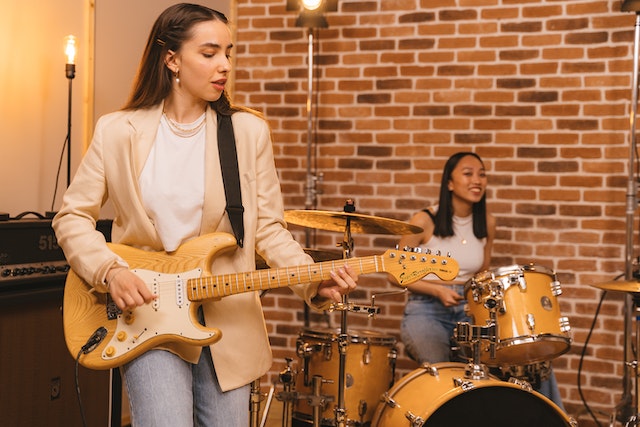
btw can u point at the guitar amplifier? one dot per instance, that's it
(37, 373)
(30, 256)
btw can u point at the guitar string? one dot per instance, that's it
(239, 284)
(215, 283)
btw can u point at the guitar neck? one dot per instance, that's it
(215, 287)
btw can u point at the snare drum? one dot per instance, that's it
(523, 301)
(369, 369)
(441, 395)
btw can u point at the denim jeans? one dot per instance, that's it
(166, 391)
(427, 327)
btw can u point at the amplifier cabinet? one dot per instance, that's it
(37, 372)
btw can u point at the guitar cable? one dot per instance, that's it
(94, 340)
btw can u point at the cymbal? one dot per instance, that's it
(358, 223)
(632, 286)
(316, 254)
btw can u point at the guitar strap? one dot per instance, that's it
(230, 175)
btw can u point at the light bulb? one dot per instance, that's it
(311, 4)
(70, 49)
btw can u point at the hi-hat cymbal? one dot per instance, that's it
(317, 255)
(632, 286)
(358, 223)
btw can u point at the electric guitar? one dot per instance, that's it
(102, 336)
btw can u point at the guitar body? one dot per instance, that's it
(182, 280)
(171, 318)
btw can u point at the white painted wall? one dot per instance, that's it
(34, 89)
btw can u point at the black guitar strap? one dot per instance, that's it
(230, 175)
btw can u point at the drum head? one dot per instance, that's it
(496, 407)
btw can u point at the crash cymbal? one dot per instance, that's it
(358, 223)
(632, 286)
(316, 254)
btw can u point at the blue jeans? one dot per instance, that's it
(427, 327)
(166, 391)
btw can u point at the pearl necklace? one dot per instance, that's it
(183, 131)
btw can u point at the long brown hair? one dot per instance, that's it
(171, 29)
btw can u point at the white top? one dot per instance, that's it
(172, 184)
(463, 246)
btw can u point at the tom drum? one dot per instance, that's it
(369, 369)
(523, 303)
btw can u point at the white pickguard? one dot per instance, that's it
(168, 315)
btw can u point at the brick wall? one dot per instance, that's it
(539, 88)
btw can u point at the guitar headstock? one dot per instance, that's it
(408, 266)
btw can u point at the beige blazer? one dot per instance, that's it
(110, 170)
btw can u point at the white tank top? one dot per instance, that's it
(463, 246)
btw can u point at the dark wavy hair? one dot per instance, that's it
(171, 29)
(443, 219)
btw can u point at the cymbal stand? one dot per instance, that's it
(347, 250)
(287, 378)
(634, 419)
(627, 408)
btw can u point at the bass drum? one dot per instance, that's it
(440, 395)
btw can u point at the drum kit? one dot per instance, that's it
(346, 376)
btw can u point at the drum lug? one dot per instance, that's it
(517, 279)
(431, 370)
(524, 385)
(464, 385)
(327, 352)
(415, 420)
(531, 322)
(392, 357)
(388, 400)
(366, 355)
(564, 324)
(556, 289)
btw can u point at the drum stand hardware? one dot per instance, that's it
(287, 378)
(255, 398)
(475, 369)
(315, 400)
(370, 310)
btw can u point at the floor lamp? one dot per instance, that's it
(311, 17)
(70, 71)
